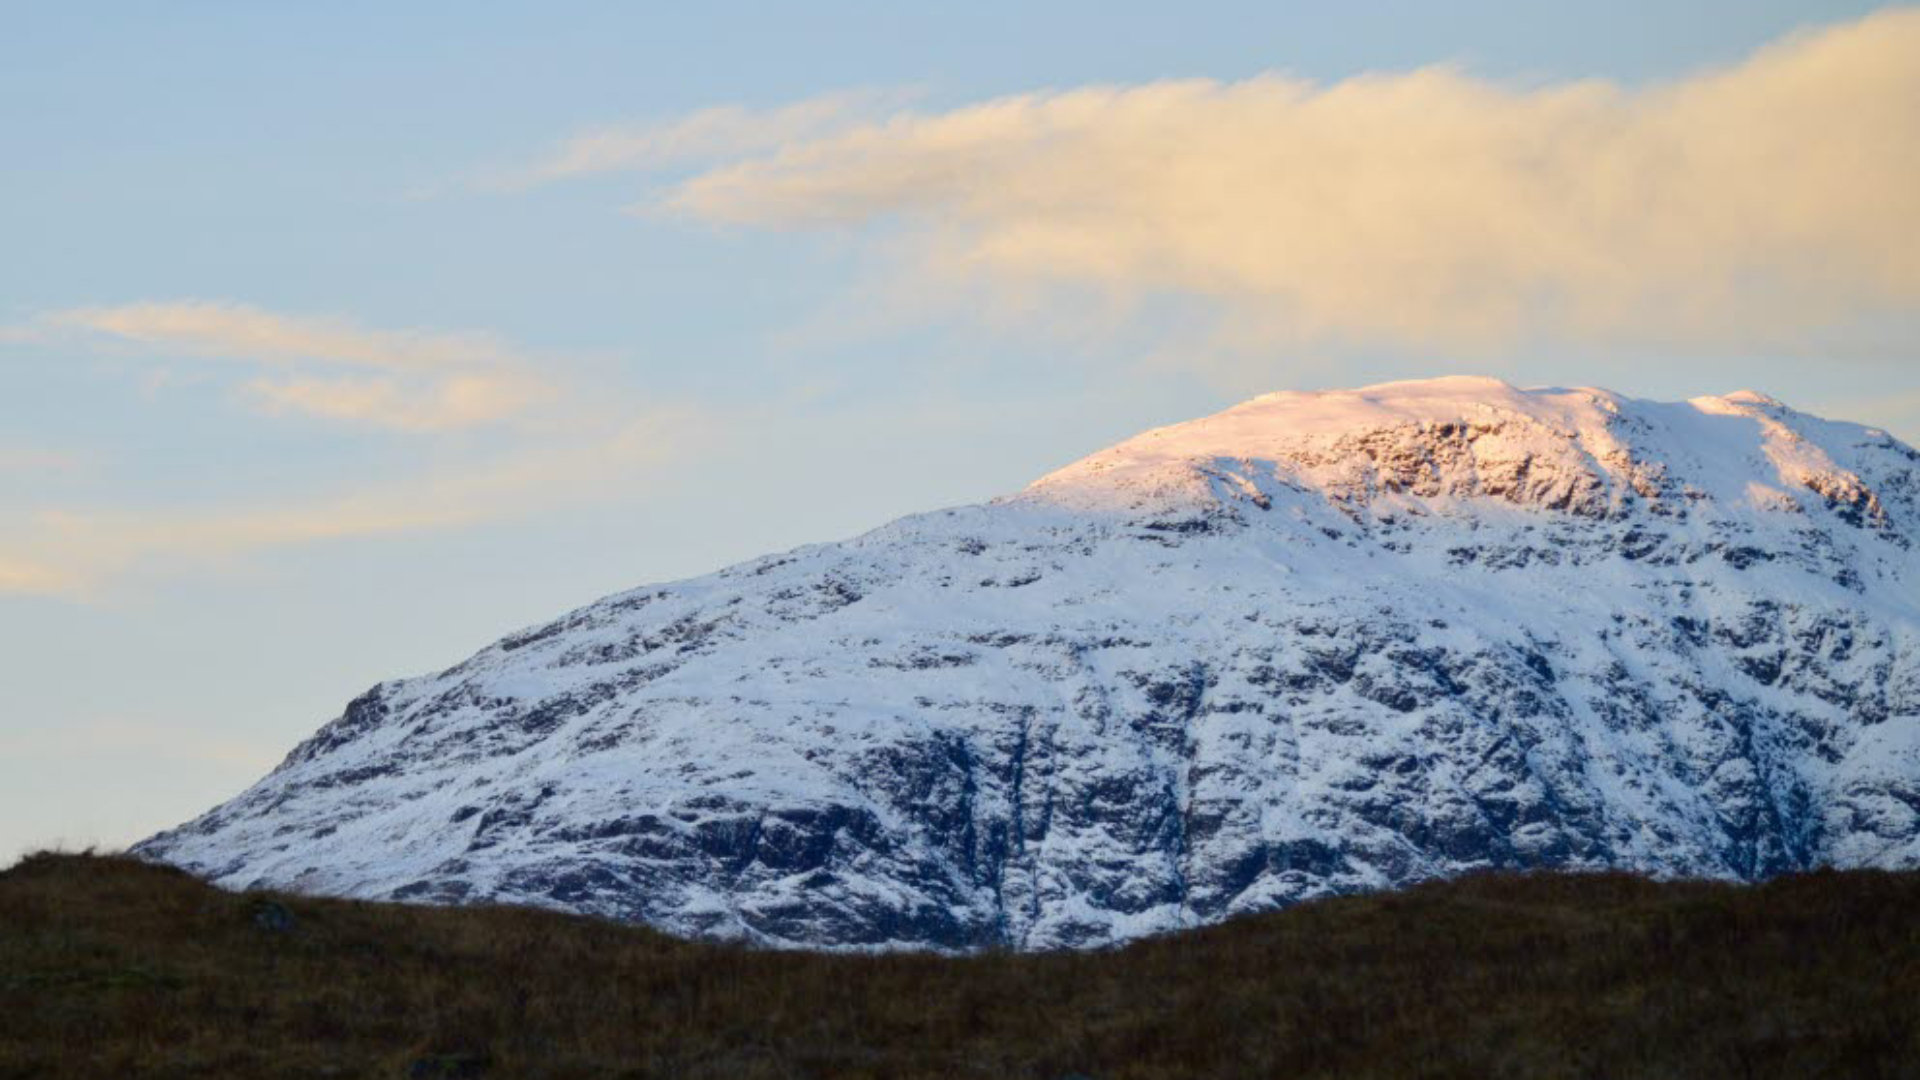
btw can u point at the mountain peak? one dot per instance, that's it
(1289, 425)
(1446, 445)
(1315, 643)
(1751, 397)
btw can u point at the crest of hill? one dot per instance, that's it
(1422, 445)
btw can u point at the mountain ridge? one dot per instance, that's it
(1315, 643)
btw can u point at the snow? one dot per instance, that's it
(1315, 643)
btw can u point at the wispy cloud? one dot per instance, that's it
(72, 552)
(1770, 203)
(699, 137)
(425, 381)
(19, 575)
(23, 459)
(238, 331)
(568, 439)
(451, 401)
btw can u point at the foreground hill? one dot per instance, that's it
(110, 967)
(1318, 643)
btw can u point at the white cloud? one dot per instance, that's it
(73, 552)
(427, 381)
(1772, 203)
(454, 401)
(551, 440)
(717, 132)
(22, 576)
(237, 331)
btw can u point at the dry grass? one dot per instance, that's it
(113, 968)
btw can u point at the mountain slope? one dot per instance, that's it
(1317, 643)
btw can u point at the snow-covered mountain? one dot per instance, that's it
(1312, 644)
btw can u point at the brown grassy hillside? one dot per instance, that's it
(112, 968)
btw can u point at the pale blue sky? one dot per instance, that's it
(334, 169)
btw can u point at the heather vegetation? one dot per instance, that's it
(110, 967)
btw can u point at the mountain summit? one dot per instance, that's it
(1316, 643)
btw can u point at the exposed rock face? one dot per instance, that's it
(1313, 644)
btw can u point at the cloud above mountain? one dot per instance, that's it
(496, 432)
(1771, 203)
(717, 131)
(71, 552)
(333, 368)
